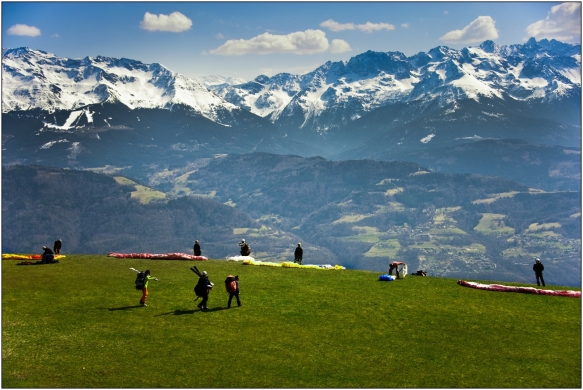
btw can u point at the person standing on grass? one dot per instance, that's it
(245, 248)
(147, 278)
(57, 246)
(538, 269)
(299, 252)
(196, 248)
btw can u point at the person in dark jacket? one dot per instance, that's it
(196, 248)
(202, 289)
(299, 252)
(538, 269)
(57, 246)
(48, 255)
(245, 249)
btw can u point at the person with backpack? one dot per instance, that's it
(538, 269)
(142, 280)
(196, 248)
(202, 290)
(232, 286)
(299, 252)
(245, 248)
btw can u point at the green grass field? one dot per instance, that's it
(77, 324)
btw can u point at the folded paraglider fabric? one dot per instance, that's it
(527, 290)
(8, 256)
(155, 256)
(240, 258)
(386, 278)
(289, 264)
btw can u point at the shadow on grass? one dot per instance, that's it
(124, 308)
(181, 312)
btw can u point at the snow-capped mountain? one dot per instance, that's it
(214, 80)
(34, 79)
(94, 112)
(340, 92)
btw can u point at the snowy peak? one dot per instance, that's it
(331, 96)
(36, 79)
(340, 92)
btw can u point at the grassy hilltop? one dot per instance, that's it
(78, 324)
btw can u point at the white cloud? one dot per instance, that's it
(366, 27)
(563, 23)
(481, 29)
(335, 26)
(55, 35)
(300, 42)
(339, 46)
(405, 25)
(23, 29)
(370, 27)
(175, 22)
(219, 36)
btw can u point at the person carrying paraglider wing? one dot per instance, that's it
(202, 290)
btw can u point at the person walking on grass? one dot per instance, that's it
(196, 248)
(538, 269)
(202, 290)
(232, 286)
(142, 281)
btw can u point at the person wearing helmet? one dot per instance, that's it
(538, 269)
(202, 290)
(245, 248)
(299, 252)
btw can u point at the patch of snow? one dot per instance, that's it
(428, 138)
(49, 144)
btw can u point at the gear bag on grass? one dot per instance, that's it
(140, 280)
(230, 284)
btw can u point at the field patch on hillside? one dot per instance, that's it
(493, 224)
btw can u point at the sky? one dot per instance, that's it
(247, 39)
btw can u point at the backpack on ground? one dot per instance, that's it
(230, 284)
(140, 280)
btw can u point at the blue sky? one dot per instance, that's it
(246, 39)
